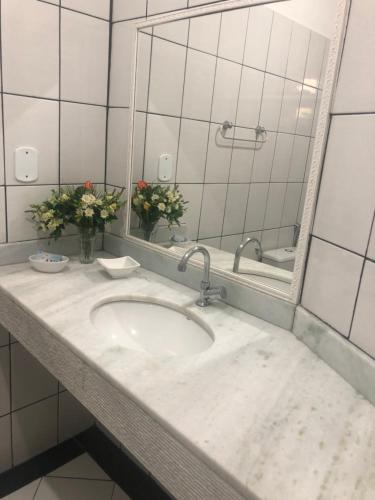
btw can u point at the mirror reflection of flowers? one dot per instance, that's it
(84, 207)
(154, 202)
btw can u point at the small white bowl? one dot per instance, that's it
(42, 265)
(119, 268)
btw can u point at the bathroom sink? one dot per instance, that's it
(159, 328)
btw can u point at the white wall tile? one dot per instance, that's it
(291, 205)
(302, 202)
(143, 71)
(371, 247)
(138, 146)
(199, 85)
(299, 46)
(230, 243)
(256, 207)
(34, 429)
(258, 36)
(279, 45)
(211, 242)
(271, 102)
(218, 156)
(250, 97)
(167, 78)
(82, 143)
(1, 149)
(290, 107)
(192, 151)
(70, 488)
(270, 239)
(161, 137)
(176, 31)
(234, 218)
(263, 159)
(123, 39)
(19, 199)
(282, 157)
(98, 8)
(275, 203)
(306, 111)
(159, 6)
(204, 33)
(2, 216)
(315, 58)
(346, 199)
(4, 381)
(117, 146)
(213, 206)
(241, 165)
(5, 444)
(299, 158)
(34, 123)
(355, 91)
(227, 83)
(233, 34)
(84, 58)
(309, 159)
(30, 380)
(363, 330)
(316, 112)
(286, 237)
(331, 284)
(73, 417)
(193, 194)
(30, 48)
(128, 9)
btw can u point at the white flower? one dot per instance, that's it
(88, 199)
(64, 197)
(104, 214)
(89, 212)
(154, 197)
(161, 207)
(46, 216)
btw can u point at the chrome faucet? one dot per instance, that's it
(207, 292)
(240, 248)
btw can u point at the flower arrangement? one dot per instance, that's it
(154, 202)
(84, 207)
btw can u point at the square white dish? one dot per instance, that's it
(119, 268)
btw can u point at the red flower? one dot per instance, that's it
(88, 185)
(142, 184)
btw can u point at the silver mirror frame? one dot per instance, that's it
(323, 124)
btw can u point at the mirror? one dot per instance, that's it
(226, 108)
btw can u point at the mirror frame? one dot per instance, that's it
(321, 135)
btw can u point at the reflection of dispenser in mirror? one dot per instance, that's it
(165, 167)
(26, 164)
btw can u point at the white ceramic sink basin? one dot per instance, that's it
(160, 329)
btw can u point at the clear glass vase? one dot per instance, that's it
(87, 237)
(149, 229)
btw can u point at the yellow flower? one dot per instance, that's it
(104, 214)
(146, 205)
(64, 197)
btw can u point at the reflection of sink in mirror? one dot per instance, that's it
(158, 328)
(260, 272)
(232, 103)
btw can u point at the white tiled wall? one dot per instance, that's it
(212, 74)
(54, 98)
(71, 138)
(35, 412)
(340, 278)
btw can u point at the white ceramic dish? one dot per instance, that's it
(119, 268)
(39, 263)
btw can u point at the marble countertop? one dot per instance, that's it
(264, 412)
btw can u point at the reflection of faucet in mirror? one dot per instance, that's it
(206, 291)
(237, 257)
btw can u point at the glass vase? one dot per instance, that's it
(87, 239)
(149, 229)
